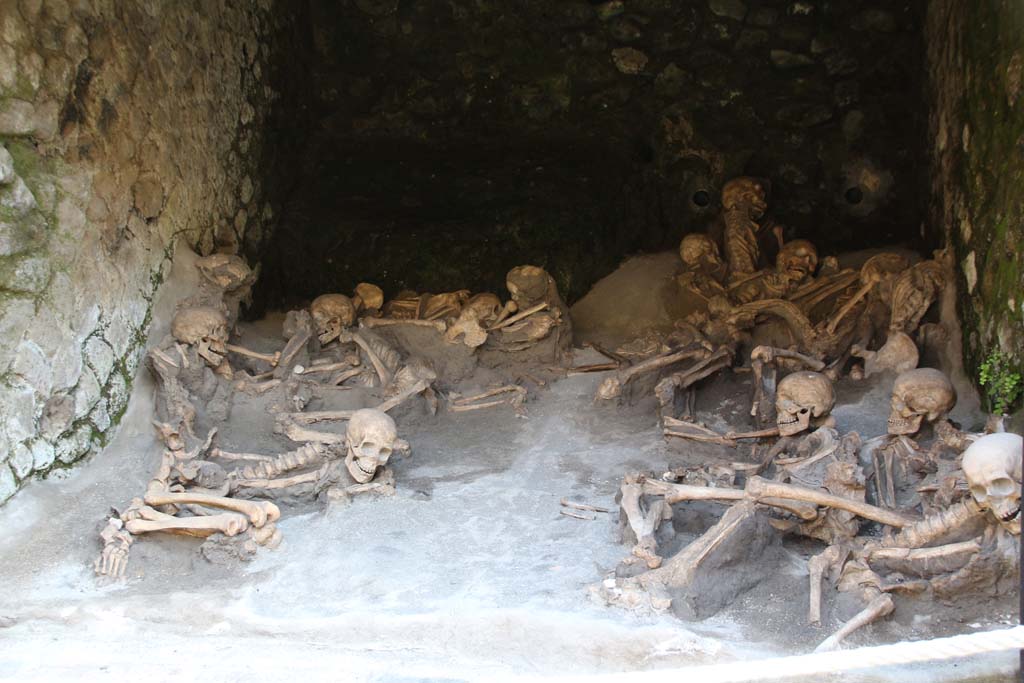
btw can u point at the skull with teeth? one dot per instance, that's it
(332, 313)
(918, 395)
(746, 194)
(204, 327)
(370, 439)
(800, 397)
(992, 465)
(797, 260)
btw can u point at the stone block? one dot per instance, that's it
(16, 117)
(43, 455)
(99, 356)
(21, 461)
(8, 485)
(18, 404)
(733, 9)
(87, 394)
(33, 367)
(75, 445)
(30, 275)
(6, 167)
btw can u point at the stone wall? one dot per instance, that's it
(441, 142)
(124, 128)
(976, 66)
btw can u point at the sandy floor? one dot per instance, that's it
(469, 572)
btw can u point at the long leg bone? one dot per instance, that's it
(291, 350)
(279, 483)
(760, 490)
(506, 310)
(438, 325)
(419, 387)
(463, 404)
(518, 316)
(378, 364)
(693, 431)
(879, 607)
(848, 306)
(300, 434)
(593, 367)
(229, 455)
(315, 416)
(830, 558)
(643, 523)
(326, 367)
(612, 387)
(271, 358)
(228, 523)
(757, 434)
(258, 512)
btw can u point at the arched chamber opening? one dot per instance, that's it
(432, 147)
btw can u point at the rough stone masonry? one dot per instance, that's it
(123, 126)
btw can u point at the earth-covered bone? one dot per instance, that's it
(530, 287)
(992, 465)
(703, 268)
(898, 354)
(923, 394)
(332, 313)
(744, 202)
(368, 298)
(797, 260)
(800, 397)
(479, 312)
(913, 293)
(370, 440)
(204, 327)
(227, 271)
(226, 280)
(794, 266)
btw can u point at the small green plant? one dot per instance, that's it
(1002, 385)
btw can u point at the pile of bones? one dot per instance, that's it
(893, 515)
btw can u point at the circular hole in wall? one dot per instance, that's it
(854, 195)
(702, 198)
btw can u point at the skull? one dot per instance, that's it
(331, 313)
(486, 307)
(992, 465)
(227, 271)
(700, 254)
(924, 393)
(368, 297)
(205, 328)
(370, 439)
(528, 285)
(744, 193)
(801, 396)
(797, 260)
